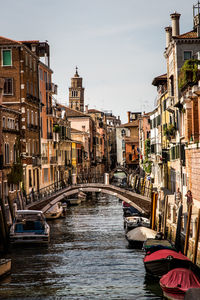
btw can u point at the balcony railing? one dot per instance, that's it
(49, 135)
(49, 110)
(44, 160)
(51, 87)
(53, 160)
(36, 161)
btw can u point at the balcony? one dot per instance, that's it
(51, 87)
(189, 74)
(49, 135)
(36, 161)
(44, 160)
(32, 98)
(49, 111)
(53, 160)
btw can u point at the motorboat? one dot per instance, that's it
(75, 201)
(152, 245)
(29, 226)
(137, 236)
(177, 281)
(54, 212)
(129, 210)
(82, 196)
(135, 221)
(162, 261)
(5, 267)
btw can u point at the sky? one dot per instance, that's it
(117, 45)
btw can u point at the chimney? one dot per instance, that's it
(168, 31)
(86, 109)
(175, 23)
(129, 115)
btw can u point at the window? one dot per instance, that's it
(7, 156)
(14, 154)
(30, 178)
(28, 119)
(8, 86)
(133, 147)
(123, 145)
(36, 119)
(4, 122)
(26, 60)
(187, 55)
(41, 74)
(6, 58)
(45, 77)
(130, 156)
(27, 87)
(32, 119)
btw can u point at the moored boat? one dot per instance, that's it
(162, 261)
(5, 267)
(54, 212)
(137, 236)
(29, 226)
(177, 281)
(152, 245)
(74, 201)
(135, 221)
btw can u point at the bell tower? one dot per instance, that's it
(76, 93)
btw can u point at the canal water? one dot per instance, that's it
(88, 258)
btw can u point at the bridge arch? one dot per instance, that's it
(119, 168)
(131, 198)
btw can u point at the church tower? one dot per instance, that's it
(76, 93)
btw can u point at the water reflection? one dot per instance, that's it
(87, 258)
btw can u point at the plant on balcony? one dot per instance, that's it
(16, 174)
(147, 146)
(169, 131)
(189, 73)
(56, 128)
(147, 163)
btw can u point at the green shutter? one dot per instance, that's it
(7, 58)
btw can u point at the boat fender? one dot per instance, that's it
(169, 257)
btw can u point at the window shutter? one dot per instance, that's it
(6, 57)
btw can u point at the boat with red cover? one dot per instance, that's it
(177, 281)
(162, 261)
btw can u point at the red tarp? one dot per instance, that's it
(162, 254)
(179, 280)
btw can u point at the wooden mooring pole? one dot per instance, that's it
(188, 230)
(165, 216)
(153, 214)
(196, 239)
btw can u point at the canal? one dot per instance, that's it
(87, 258)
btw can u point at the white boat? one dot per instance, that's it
(5, 267)
(82, 196)
(74, 201)
(54, 212)
(29, 226)
(135, 221)
(137, 236)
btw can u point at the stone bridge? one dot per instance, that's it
(141, 203)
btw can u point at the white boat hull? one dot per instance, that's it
(5, 267)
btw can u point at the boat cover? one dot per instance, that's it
(155, 244)
(180, 280)
(164, 253)
(192, 294)
(141, 234)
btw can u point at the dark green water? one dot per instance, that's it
(87, 258)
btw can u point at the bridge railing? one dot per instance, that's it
(24, 200)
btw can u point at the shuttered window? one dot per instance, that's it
(8, 86)
(6, 58)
